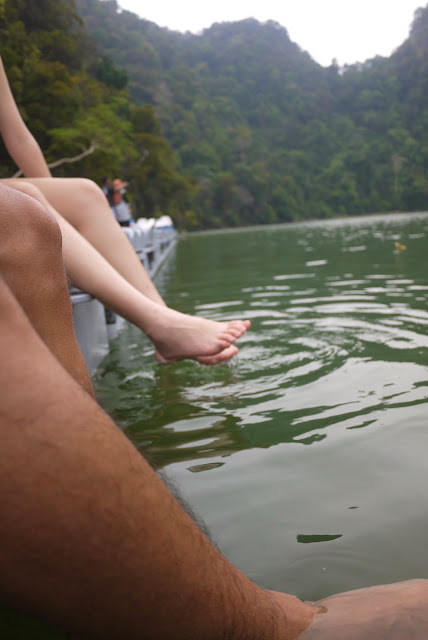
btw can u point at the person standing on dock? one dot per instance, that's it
(121, 207)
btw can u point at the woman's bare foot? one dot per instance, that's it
(222, 356)
(177, 336)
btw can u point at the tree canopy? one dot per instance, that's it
(236, 125)
(75, 99)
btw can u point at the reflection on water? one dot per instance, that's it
(336, 359)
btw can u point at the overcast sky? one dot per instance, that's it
(349, 30)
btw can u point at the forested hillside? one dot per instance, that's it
(259, 131)
(268, 133)
(76, 102)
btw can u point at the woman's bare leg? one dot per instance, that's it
(82, 203)
(175, 335)
(31, 265)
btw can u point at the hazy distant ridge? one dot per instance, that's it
(234, 126)
(267, 132)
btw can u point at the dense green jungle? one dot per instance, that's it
(234, 126)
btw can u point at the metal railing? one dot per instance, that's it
(95, 325)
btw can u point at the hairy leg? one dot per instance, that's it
(90, 537)
(175, 335)
(32, 266)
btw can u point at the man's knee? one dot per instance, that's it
(28, 230)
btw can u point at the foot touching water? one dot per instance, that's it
(177, 336)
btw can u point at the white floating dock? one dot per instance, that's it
(93, 324)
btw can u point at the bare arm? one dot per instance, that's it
(20, 143)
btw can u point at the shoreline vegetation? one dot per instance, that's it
(184, 232)
(236, 126)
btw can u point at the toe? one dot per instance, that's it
(239, 325)
(235, 331)
(222, 356)
(229, 337)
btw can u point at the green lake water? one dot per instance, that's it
(307, 455)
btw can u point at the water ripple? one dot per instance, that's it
(323, 411)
